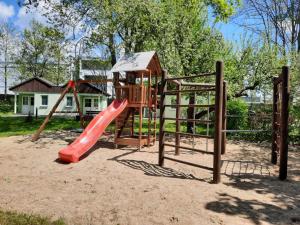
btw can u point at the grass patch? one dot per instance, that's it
(14, 218)
(10, 126)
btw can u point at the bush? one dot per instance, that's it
(237, 111)
(6, 106)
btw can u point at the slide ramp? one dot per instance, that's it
(92, 132)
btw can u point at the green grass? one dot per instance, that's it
(14, 218)
(10, 126)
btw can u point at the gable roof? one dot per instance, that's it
(37, 84)
(42, 80)
(140, 61)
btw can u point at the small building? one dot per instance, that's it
(40, 95)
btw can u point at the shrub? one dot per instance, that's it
(237, 111)
(6, 106)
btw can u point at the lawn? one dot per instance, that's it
(10, 126)
(14, 218)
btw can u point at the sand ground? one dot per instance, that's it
(124, 186)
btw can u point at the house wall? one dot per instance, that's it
(52, 99)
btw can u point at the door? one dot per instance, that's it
(27, 104)
(31, 104)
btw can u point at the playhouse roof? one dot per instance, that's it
(139, 62)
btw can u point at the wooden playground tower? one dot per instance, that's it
(135, 78)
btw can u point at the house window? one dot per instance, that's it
(25, 100)
(96, 103)
(69, 101)
(44, 100)
(88, 102)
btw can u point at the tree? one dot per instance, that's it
(41, 52)
(8, 50)
(123, 24)
(276, 20)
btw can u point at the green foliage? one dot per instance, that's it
(237, 110)
(6, 107)
(14, 218)
(294, 129)
(42, 54)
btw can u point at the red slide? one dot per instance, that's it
(92, 132)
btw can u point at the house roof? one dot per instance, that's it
(37, 84)
(140, 61)
(42, 80)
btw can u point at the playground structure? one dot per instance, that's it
(219, 89)
(135, 79)
(133, 96)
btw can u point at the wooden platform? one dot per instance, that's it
(133, 141)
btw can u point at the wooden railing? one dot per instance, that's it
(136, 94)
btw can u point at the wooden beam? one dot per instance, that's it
(78, 106)
(42, 127)
(284, 145)
(224, 118)
(178, 115)
(163, 89)
(218, 122)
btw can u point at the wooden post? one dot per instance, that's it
(224, 118)
(149, 108)
(218, 122)
(155, 107)
(78, 106)
(178, 113)
(141, 110)
(163, 89)
(274, 154)
(284, 111)
(42, 127)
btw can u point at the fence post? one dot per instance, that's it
(224, 118)
(284, 111)
(163, 89)
(218, 122)
(274, 154)
(178, 112)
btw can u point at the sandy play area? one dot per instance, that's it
(123, 186)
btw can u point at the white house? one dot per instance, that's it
(37, 95)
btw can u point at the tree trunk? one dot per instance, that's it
(112, 49)
(190, 114)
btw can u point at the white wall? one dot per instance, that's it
(52, 99)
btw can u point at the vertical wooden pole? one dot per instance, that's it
(155, 107)
(141, 110)
(274, 154)
(78, 106)
(116, 77)
(42, 127)
(218, 122)
(178, 113)
(224, 118)
(284, 124)
(149, 108)
(163, 89)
